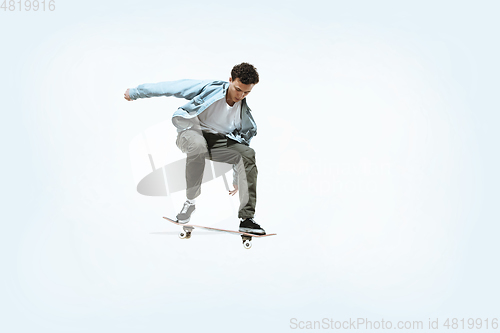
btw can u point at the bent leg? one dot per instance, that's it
(243, 157)
(247, 178)
(192, 143)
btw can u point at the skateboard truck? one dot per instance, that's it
(186, 232)
(247, 241)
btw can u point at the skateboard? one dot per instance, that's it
(187, 229)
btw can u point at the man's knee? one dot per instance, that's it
(197, 145)
(248, 153)
(192, 143)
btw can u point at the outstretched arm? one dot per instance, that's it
(187, 89)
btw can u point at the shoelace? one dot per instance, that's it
(185, 208)
(251, 220)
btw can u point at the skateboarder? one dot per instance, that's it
(216, 124)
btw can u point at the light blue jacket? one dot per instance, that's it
(201, 94)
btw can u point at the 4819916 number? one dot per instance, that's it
(28, 5)
(471, 323)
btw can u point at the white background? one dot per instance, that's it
(377, 156)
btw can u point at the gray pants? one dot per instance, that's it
(201, 145)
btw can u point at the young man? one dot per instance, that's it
(216, 124)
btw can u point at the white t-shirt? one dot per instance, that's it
(220, 117)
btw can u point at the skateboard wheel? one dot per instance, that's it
(247, 244)
(184, 235)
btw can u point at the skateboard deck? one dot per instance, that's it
(188, 228)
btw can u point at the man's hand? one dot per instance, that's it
(233, 192)
(126, 95)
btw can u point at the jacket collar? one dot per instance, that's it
(225, 87)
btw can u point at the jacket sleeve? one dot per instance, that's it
(187, 89)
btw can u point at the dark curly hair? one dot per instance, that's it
(246, 73)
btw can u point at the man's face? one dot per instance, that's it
(237, 90)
